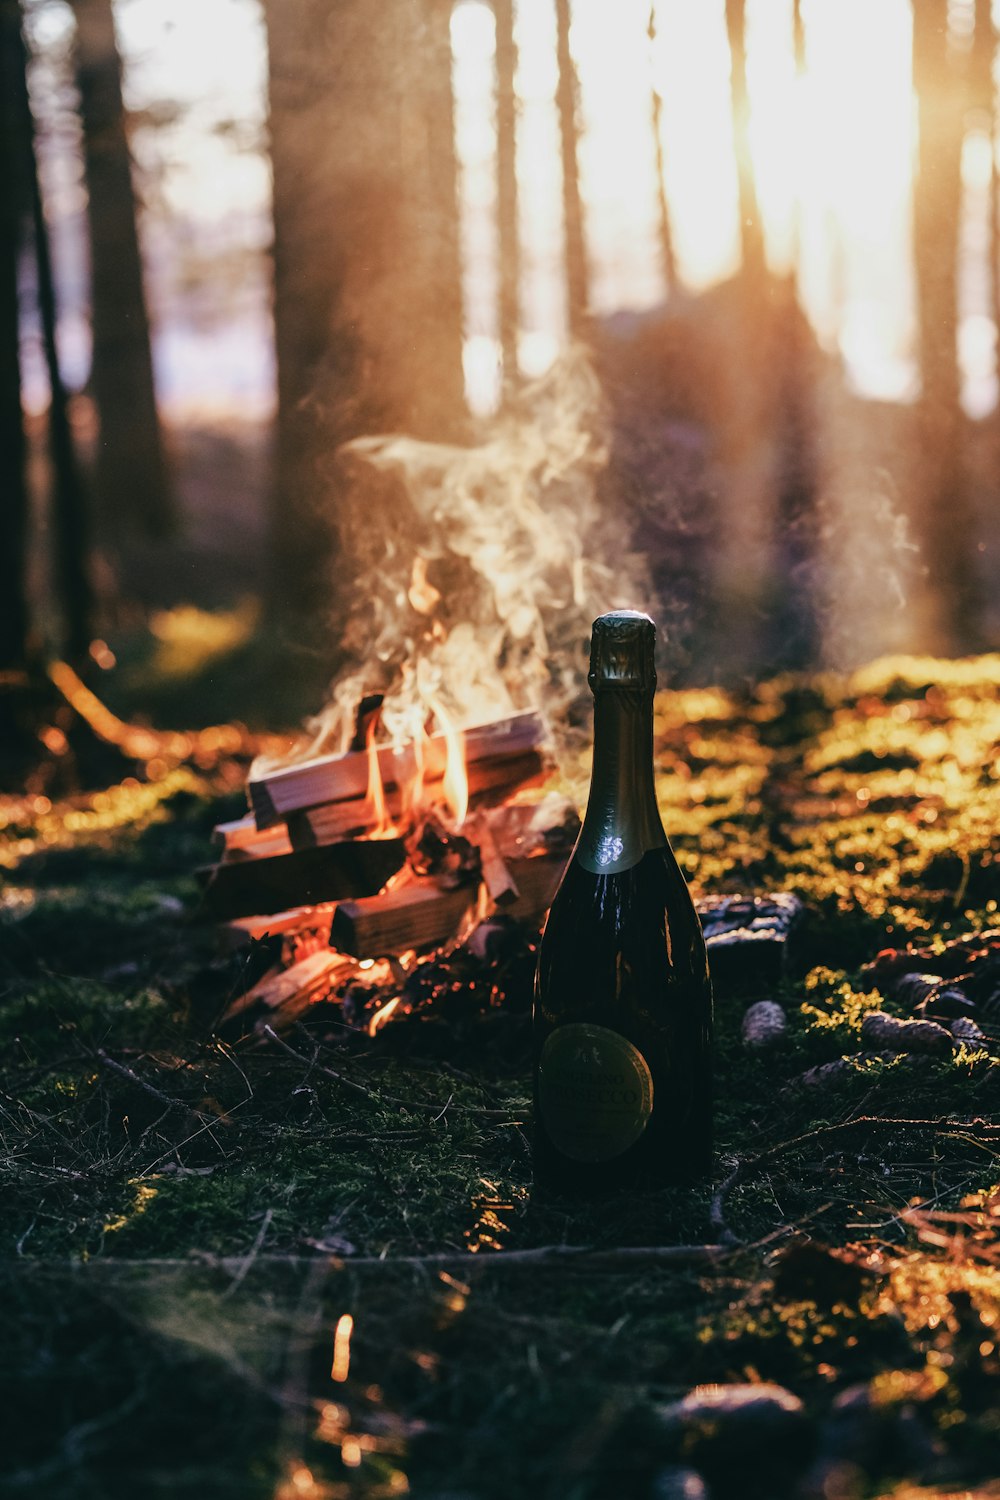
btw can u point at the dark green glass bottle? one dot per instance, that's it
(623, 1001)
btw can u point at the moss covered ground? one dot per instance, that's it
(216, 1251)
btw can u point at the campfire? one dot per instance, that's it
(365, 862)
(414, 843)
(367, 873)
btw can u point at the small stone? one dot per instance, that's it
(880, 1030)
(734, 1431)
(678, 1484)
(763, 1024)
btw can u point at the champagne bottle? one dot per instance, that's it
(623, 1002)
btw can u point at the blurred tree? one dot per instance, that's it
(14, 510)
(567, 103)
(367, 284)
(69, 505)
(751, 233)
(510, 251)
(983, 101)
(666, 231)
(132, 484)
(945, 521)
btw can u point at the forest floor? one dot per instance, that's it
(218, 1269)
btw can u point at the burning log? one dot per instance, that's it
(290, 988)
(312, 827)
(297, 921)
(497, 878)
(345, 778)
(359, 867)
(242, 839)
(419, 914)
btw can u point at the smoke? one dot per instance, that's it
(476, 571)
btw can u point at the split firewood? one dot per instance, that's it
(416, 914)
(764, 1024)
(242, 839)
(888, 1033)
(300, 920)
(243, 888)
(497, 878)
(282, 989)
(335, 778)
(419, 914)
(497, 776)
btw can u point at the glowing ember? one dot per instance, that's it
(382, 1015)
(340, 1367)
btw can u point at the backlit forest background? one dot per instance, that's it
(238, 235)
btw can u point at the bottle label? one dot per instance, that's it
(595, 1091)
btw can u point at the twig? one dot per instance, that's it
(252, 1255)
(723, 1233)
(437, 1110)
(113, 1066)
(745, 1169)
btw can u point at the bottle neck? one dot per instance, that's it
(622, 821)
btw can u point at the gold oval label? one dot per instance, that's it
(595, 1091)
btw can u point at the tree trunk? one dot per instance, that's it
(945, 522)
(577, 279)
(666, 231)
(367, 296)
(132, 486)
(751, 233)
(14, 511)
(510, 245)
(69, 507)
(983, 99)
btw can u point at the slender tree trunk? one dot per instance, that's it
(983, 99)
(577, 279)
(14, 508)
(667, 255)
(510, 244)
(69, 508)
(945, 522)
(367, 294)
(751, 233)
(132, 485)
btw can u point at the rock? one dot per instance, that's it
(746, 1439)
(764, 1024)
(833, 1479)
(882, 1031)
(675, 1483)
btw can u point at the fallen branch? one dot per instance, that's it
(110, 1064)
(540, 1257)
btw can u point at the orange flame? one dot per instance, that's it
(341, 1363)
(382, 1015)
(455, 786)
(375, 794)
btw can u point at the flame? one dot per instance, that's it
(382, 1015)
(341, 1364)
(455, 786)
(383, 826)
(422, 594)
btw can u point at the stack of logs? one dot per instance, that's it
(305, 870)
(304, 866)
